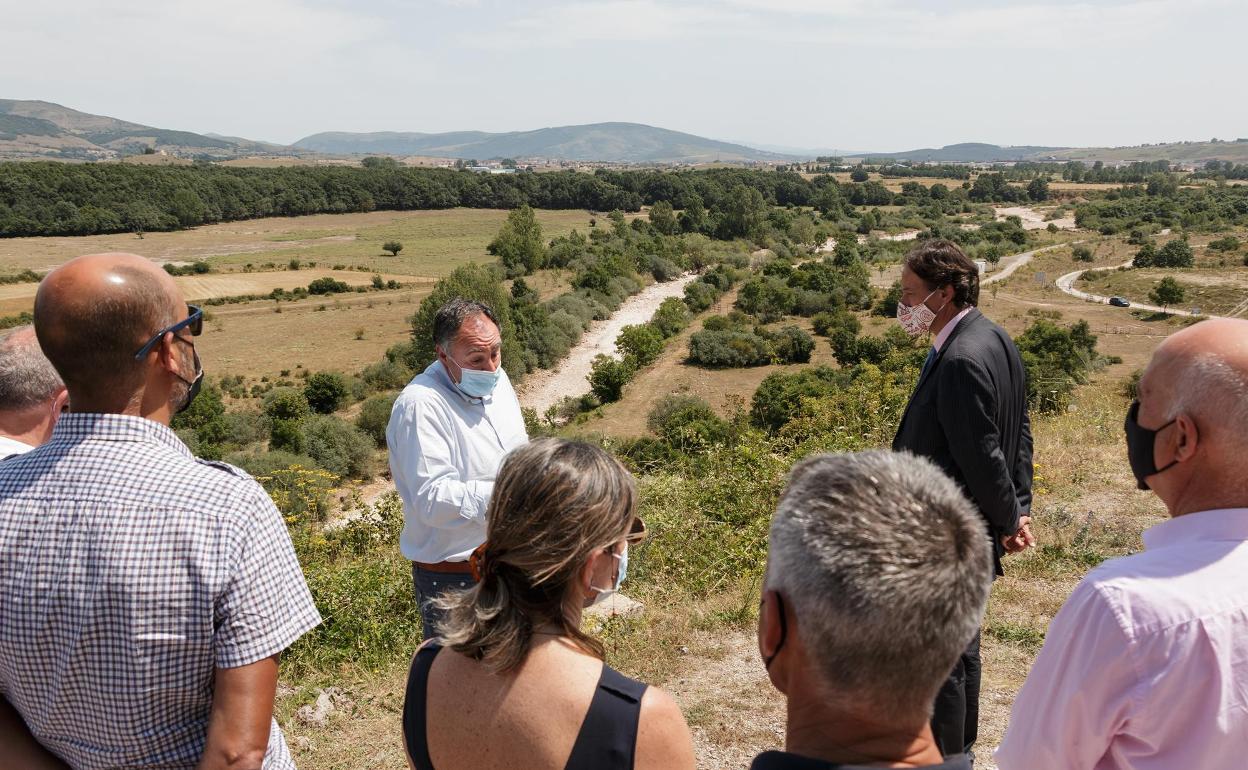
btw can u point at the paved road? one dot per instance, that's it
(1066, 283)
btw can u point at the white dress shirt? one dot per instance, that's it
(445, 450)
(1146, 665)
(947, 331)
(10, 447)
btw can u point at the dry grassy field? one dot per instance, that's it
(252, 339)
(434, 242)
(17, 297)
(343, 333)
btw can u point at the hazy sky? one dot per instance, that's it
(851, 74)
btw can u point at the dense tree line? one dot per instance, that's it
(1160, 204)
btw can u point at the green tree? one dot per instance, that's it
(671, 317)
(641, 342)
(394, 247)
(859, 175)
(1176, 253)
(693, 218)
(1167, 292)
(326, 392)
(518, 244)
(475, 282)
(1146, 256)
(608, 376)
(743, 213)
(374, 418)
(1038, 189)
(664, 218)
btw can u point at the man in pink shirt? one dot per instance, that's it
(1146, 665)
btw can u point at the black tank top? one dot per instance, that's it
(607, 739)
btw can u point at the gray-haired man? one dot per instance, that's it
(449, 431)
(32, 395)
(877, 577)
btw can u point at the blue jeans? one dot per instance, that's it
(429, 585)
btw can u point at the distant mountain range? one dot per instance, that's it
(34, 129)
(42, 130)
(968, 152)
(617, 142)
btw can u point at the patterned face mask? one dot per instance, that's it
(918, 319)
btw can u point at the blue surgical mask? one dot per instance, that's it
(476, 383)
(619, 578)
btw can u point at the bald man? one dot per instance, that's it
(32, 395)
(1146, 664)
(144, 594)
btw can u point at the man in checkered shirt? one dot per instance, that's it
(144, 594)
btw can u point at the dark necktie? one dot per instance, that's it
(927, 362)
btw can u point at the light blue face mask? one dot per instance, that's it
(619, 578)
(476, 383)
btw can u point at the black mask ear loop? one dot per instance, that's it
(784, 633)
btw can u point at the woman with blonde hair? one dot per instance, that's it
(512, 681)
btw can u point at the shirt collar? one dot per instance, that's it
(1219, 524)
(11, 446)
(75, 427)
(943, 337)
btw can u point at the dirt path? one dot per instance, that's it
(543, 389)
(1032, 219)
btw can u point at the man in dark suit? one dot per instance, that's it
(968, 415)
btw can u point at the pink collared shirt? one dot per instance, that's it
(1146, 665)
(949, 327)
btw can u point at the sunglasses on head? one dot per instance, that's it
(193, 322)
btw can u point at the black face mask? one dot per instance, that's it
(194, 384)
(784, 633)
(1140, 441)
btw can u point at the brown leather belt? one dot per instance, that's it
(449, 567)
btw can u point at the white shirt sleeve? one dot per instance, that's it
(1078, 697)
(422, 450)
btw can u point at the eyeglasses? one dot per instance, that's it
(637, 531)
(194, 322)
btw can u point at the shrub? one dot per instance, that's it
(389, 374)
(608, 376)
(260, 464)
(287, 435)
(671, 318)
(327, 285)
(827, 324)
(1146, 256)
(663, 269)
(779, 396)
(286, 404)
(766, 297)
(1081, 254)
(244, 427)
(339, 447)
(887, 305)
(1056, 359)
(374, 418)
(394, 247)
(792, 345)
(729, 348)
(1228, 243)
(672, 411)
(700, 295)
(1176, 253)
(642, 342)
(325, 392)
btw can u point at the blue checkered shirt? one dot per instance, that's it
(129, 571)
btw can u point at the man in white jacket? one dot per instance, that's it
(449, 431)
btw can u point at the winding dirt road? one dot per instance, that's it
(545, 388)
